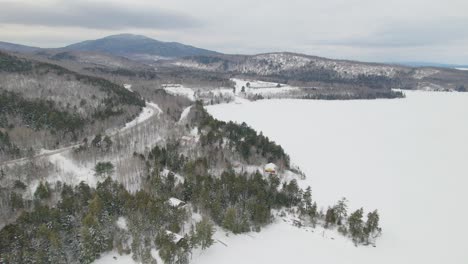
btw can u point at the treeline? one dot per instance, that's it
(8, 148)
(353, 225)
(238, 202)
(116, 94)
(82, 225)
(355, 95)
(242, 139)
(34, 101)
(38, 114)
(243, 202)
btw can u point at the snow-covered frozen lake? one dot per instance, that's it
(408, 158)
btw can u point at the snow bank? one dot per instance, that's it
(406, 158)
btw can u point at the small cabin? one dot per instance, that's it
(176, 203)
(176, 238)
(271, 168)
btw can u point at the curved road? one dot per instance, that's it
(150, 110)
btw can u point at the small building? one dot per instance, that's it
(176, 238)
(176, 203)
(271, 168)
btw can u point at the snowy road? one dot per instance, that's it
(150, 110)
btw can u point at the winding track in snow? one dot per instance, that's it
(150, 108)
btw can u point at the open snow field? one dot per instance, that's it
(405, 157)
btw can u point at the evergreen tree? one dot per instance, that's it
(356, 226)
(372, 224)
(104, 169)
(107, 143)
(96, 142)
(330, 217)
(42, 191)
(341, 211)
(229, 221)
(204, 233)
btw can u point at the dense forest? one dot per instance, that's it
(49, 102)
(239, 138)
(214, 168)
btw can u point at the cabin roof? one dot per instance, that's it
(175, 202)
(176, 237)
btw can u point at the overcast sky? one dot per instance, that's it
(369, 30)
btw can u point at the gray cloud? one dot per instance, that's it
(94, 15)
(355, 29)
(404, 33)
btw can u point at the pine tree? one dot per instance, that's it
(330, 217)
(104, 169)
(204, 233)
(42, 191)
(96, 142)
(307, 197)
(356, 225)
(341, 210)
(372, 224)
(229, 221)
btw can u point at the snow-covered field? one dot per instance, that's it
(462, 69)
(262, 88)
(405, 157)
(178, 89)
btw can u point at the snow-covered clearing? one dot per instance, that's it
(70, 172)
(405, 157)
(177, 89)
(262, 88)
(462, 69)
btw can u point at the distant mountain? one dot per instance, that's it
(16, 47)
(431, 64)
(304, 70)
(139, 47)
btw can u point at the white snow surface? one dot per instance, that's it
(185, 113)
(70, 172)
(462, 69)
(178, 89)
(113, 257)
(405, 157)
(128, 87)
(122, 223)
(263, 88)
(175, 202)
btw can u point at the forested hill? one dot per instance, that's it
(46, 105)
